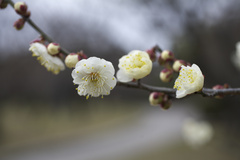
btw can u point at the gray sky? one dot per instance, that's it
(127, 24)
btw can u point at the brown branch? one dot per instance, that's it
(222, 92)
(206, 92)
(170, 91)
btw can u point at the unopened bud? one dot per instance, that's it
(28, 14)
(165, 56)
(166, 75)
(152, 54)
(177, 65)
(71, 60)
(81, 55)
(20, 8)
(53, 48)
(19, 24)
(3, 4)
(155, 98)
(166, 104)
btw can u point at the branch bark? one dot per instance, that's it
(206, 92)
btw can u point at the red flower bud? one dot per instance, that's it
(166, 75)
(20, 8)
(177, 65)
(53, 48)
(19, 24)
(152, 53)
(156, 98)
(81, 55)
(165, 56)
(3, 4)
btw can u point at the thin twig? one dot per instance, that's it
(171, 92)
(43, 34)
(206, 92)
(214, 92)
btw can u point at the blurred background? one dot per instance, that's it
(42, 117)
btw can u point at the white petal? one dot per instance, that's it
(180, 93)
(111, 82)
(38, 49)
(123, 77)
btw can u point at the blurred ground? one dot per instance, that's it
(101, 132)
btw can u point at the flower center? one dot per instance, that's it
(94, 76)
(186, 77)
(137, 61)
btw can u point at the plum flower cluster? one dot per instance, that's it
(51, 63)
(136, 65)
(190, 79)
(94, 77)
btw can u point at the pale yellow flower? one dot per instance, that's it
(190, 80)
(136, 65)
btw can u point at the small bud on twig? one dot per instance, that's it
(53, 48)
(152, 53)
(81, 55)
(19, 24)
(3, 4)
(165, 57)
(177, 65)
(166, 104)
(21, 8)
(156, 98)
(166, 75)
(71, 60)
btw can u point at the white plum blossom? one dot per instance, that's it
(190, 80)
(136, 65)
(94, 77)
(52, 63)
(196, 134)
(236, 56)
